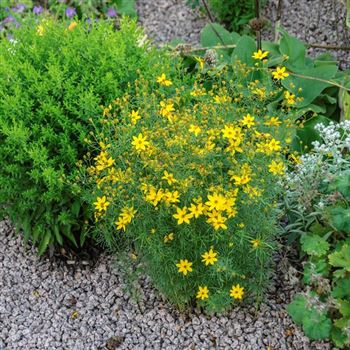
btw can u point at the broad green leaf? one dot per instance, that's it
(344, 308)
(308, 83)
(340, 219)
(314, 245)
(209, 35)
(342, 288)
(342, 184)
(317, 326)
(339, 337)
(244, 50)
(341, 259)
(294, 49)
(297, 309)
(306, 135)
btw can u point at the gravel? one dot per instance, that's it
(49, 304)
(165, 20)
(314, 22)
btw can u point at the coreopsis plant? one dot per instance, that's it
(189, 173)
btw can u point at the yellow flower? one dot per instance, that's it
(248, 121)
(155, 196)
(72, 25)
(101, 204)
(230, 132)
(195, 129)
(216, 201)
(217, 220)
(290, 98)
(184, 266)
(171, 197)
(209, 258)
(122, 222)
(166, 109)
(128, 213)
(203, 293)
(237, 292)
(255, 243)
(182, 216)
(168, 237)
(196, 210)
(162, 80)
(280, 73)
(276, 168)
(169, 178)
(273, 121)
(135, 116)
(260, 55)
(140, 143)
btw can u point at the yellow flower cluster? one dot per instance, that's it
(184, 167)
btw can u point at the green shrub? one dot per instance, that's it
(53, 80)
(187, 170)
(318, 208)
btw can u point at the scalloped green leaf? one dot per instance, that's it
(313, 244)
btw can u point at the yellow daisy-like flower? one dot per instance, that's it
(203, 293)
(280, 73)
(237, 292)
(194, 129)
(209, 258)
(101, 203)
(169, 178)
(196, 210)
(248, 121)
(184, 266)
(140, 142)
(276, 167)
(260, 55)
(162, 80)
(255, 243)
(182, 216)
(290, 98)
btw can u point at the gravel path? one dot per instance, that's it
(47, 304)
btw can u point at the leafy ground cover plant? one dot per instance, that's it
(318, 207)
(186, 170)
(54, 77)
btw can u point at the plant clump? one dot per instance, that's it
(188, 170)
